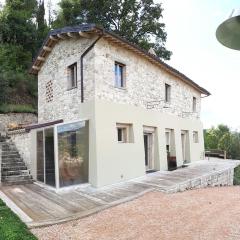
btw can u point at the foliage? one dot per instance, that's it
(236, 177)
(223, 139)
(11, 227)
(136, 20)
(11, 108)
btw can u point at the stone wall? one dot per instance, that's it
(22, 141)
(65, 103)
(145, 81)
(18, 118)
(220, 178)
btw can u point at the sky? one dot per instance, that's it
(191, 27)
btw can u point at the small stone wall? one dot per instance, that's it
(220, 178)
(17, 118)
(22, 140)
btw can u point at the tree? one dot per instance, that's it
(136, 20)
(42, 28)
(17, 24)
(223, 139)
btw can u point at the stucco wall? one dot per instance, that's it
(18, 118)
(122, 161)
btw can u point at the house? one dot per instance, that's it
(108, 111)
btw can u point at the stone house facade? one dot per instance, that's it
(109, 111)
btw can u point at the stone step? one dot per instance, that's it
(8, 155)
(14, 168)
(16, 164)
(22, 182)
(7, 152)
(15, 178)
(12, 160)
(15, 172)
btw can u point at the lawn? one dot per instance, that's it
(11, 227)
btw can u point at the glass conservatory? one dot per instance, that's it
(63, 154)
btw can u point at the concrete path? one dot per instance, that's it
(40, 206)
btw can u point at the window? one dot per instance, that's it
(194, 106)
(195, 137)
(120, 75)
(72, 76)
(124, 133)
(167, 92)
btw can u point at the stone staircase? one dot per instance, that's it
(13, 169)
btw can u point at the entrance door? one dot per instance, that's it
(183, 138)
(148, 149)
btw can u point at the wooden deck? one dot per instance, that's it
(40, 206)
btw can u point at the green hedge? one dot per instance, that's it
(11, 108)
(236, 178)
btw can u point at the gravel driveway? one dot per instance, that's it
(212, 214)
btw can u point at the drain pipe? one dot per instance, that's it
(81, 62)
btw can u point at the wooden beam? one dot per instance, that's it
(48, 49)
(53, 38)
(83, 34)
(36, 68)
(61, 36)
(41, 58)
(71, 35)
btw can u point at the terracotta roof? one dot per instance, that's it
(84, 30)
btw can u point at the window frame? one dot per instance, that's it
(127, 133)
(195, 137)
(167, 98)
(194, 104)
(72, 72)
(122, 80)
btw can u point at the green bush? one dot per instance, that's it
(11, 227)
(11, 108)
(236, 178)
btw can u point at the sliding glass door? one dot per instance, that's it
(45, 157)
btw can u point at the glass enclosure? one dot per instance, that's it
(73, 151)
(62, 154)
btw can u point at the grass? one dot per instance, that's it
(236, 178)
(11, 227)
(12, 108)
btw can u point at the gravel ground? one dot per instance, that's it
(212, 214)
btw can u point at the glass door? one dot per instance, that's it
(45, 157)
(49, 157)
(40, 156)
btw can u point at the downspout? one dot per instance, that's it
(81, 62)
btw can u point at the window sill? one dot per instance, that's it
(121, 88)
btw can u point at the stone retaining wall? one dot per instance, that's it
(17, 118)
(220, 178)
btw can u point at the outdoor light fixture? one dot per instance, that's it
(228, 33)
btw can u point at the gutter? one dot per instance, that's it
(81, 64)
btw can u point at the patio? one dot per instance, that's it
(41, 206)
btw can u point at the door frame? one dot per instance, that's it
(44, 155)
(150, 133)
